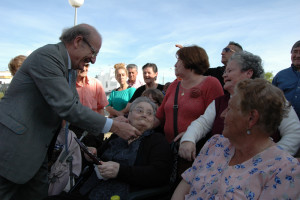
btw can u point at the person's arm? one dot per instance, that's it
(49, 73)
(101, 111)
(159, 119)
(126, 109)
(290, 132)
(197, 130)
(156, 122)
(101, 98)
(113, 112)
(182, 189)
(201, 126)
(122, 129)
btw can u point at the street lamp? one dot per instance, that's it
(76, 4)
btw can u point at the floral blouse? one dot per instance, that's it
(271, 174)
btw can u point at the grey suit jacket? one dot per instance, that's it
(38, 98)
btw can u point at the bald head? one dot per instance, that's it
(85, 30)
(83, 43)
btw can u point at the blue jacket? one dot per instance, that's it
(288, 80)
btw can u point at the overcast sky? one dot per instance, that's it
(141, 31)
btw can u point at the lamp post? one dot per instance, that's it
(76, 4)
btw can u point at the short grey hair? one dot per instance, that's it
(237, 46)
(297, 44)
(247, 61)
(143, 99)
(130, 66)
(69, 34)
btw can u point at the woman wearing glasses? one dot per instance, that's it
(132, 165)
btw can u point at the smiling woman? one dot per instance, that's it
(242, 65)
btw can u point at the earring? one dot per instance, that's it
(248, 131)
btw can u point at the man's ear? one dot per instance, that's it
(76, 41)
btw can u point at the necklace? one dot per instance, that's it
(182, 92)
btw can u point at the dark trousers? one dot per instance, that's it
(34, 189)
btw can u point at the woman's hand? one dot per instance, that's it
(93, 151)
(178, 136)
(187, 150)
(109, 169)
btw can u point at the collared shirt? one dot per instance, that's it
(108, 122)
(138, 83)
(91, 94)
(288, 80)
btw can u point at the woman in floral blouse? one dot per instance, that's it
(244, 163)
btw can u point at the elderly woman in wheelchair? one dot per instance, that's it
(134, 165)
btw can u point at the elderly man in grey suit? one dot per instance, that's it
(41, 94)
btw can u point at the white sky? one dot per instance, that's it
(141, 31)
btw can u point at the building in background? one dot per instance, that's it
(108, 80)
(5, 77)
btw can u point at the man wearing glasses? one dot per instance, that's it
(40, 96)
(217, 72)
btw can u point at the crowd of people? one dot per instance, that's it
(236, 135)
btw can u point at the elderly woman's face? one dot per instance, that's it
(235, 122)
(142, 116)
(232, 75)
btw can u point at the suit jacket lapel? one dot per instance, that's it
(63, 52)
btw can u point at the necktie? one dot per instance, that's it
(70, 79)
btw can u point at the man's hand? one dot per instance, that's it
(121, 119)
(124, 130)
(187, 150)
(109, 169)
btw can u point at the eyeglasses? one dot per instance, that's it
(141, 111)
(94, 53)
(227, 50)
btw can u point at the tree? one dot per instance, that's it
(269, 76)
